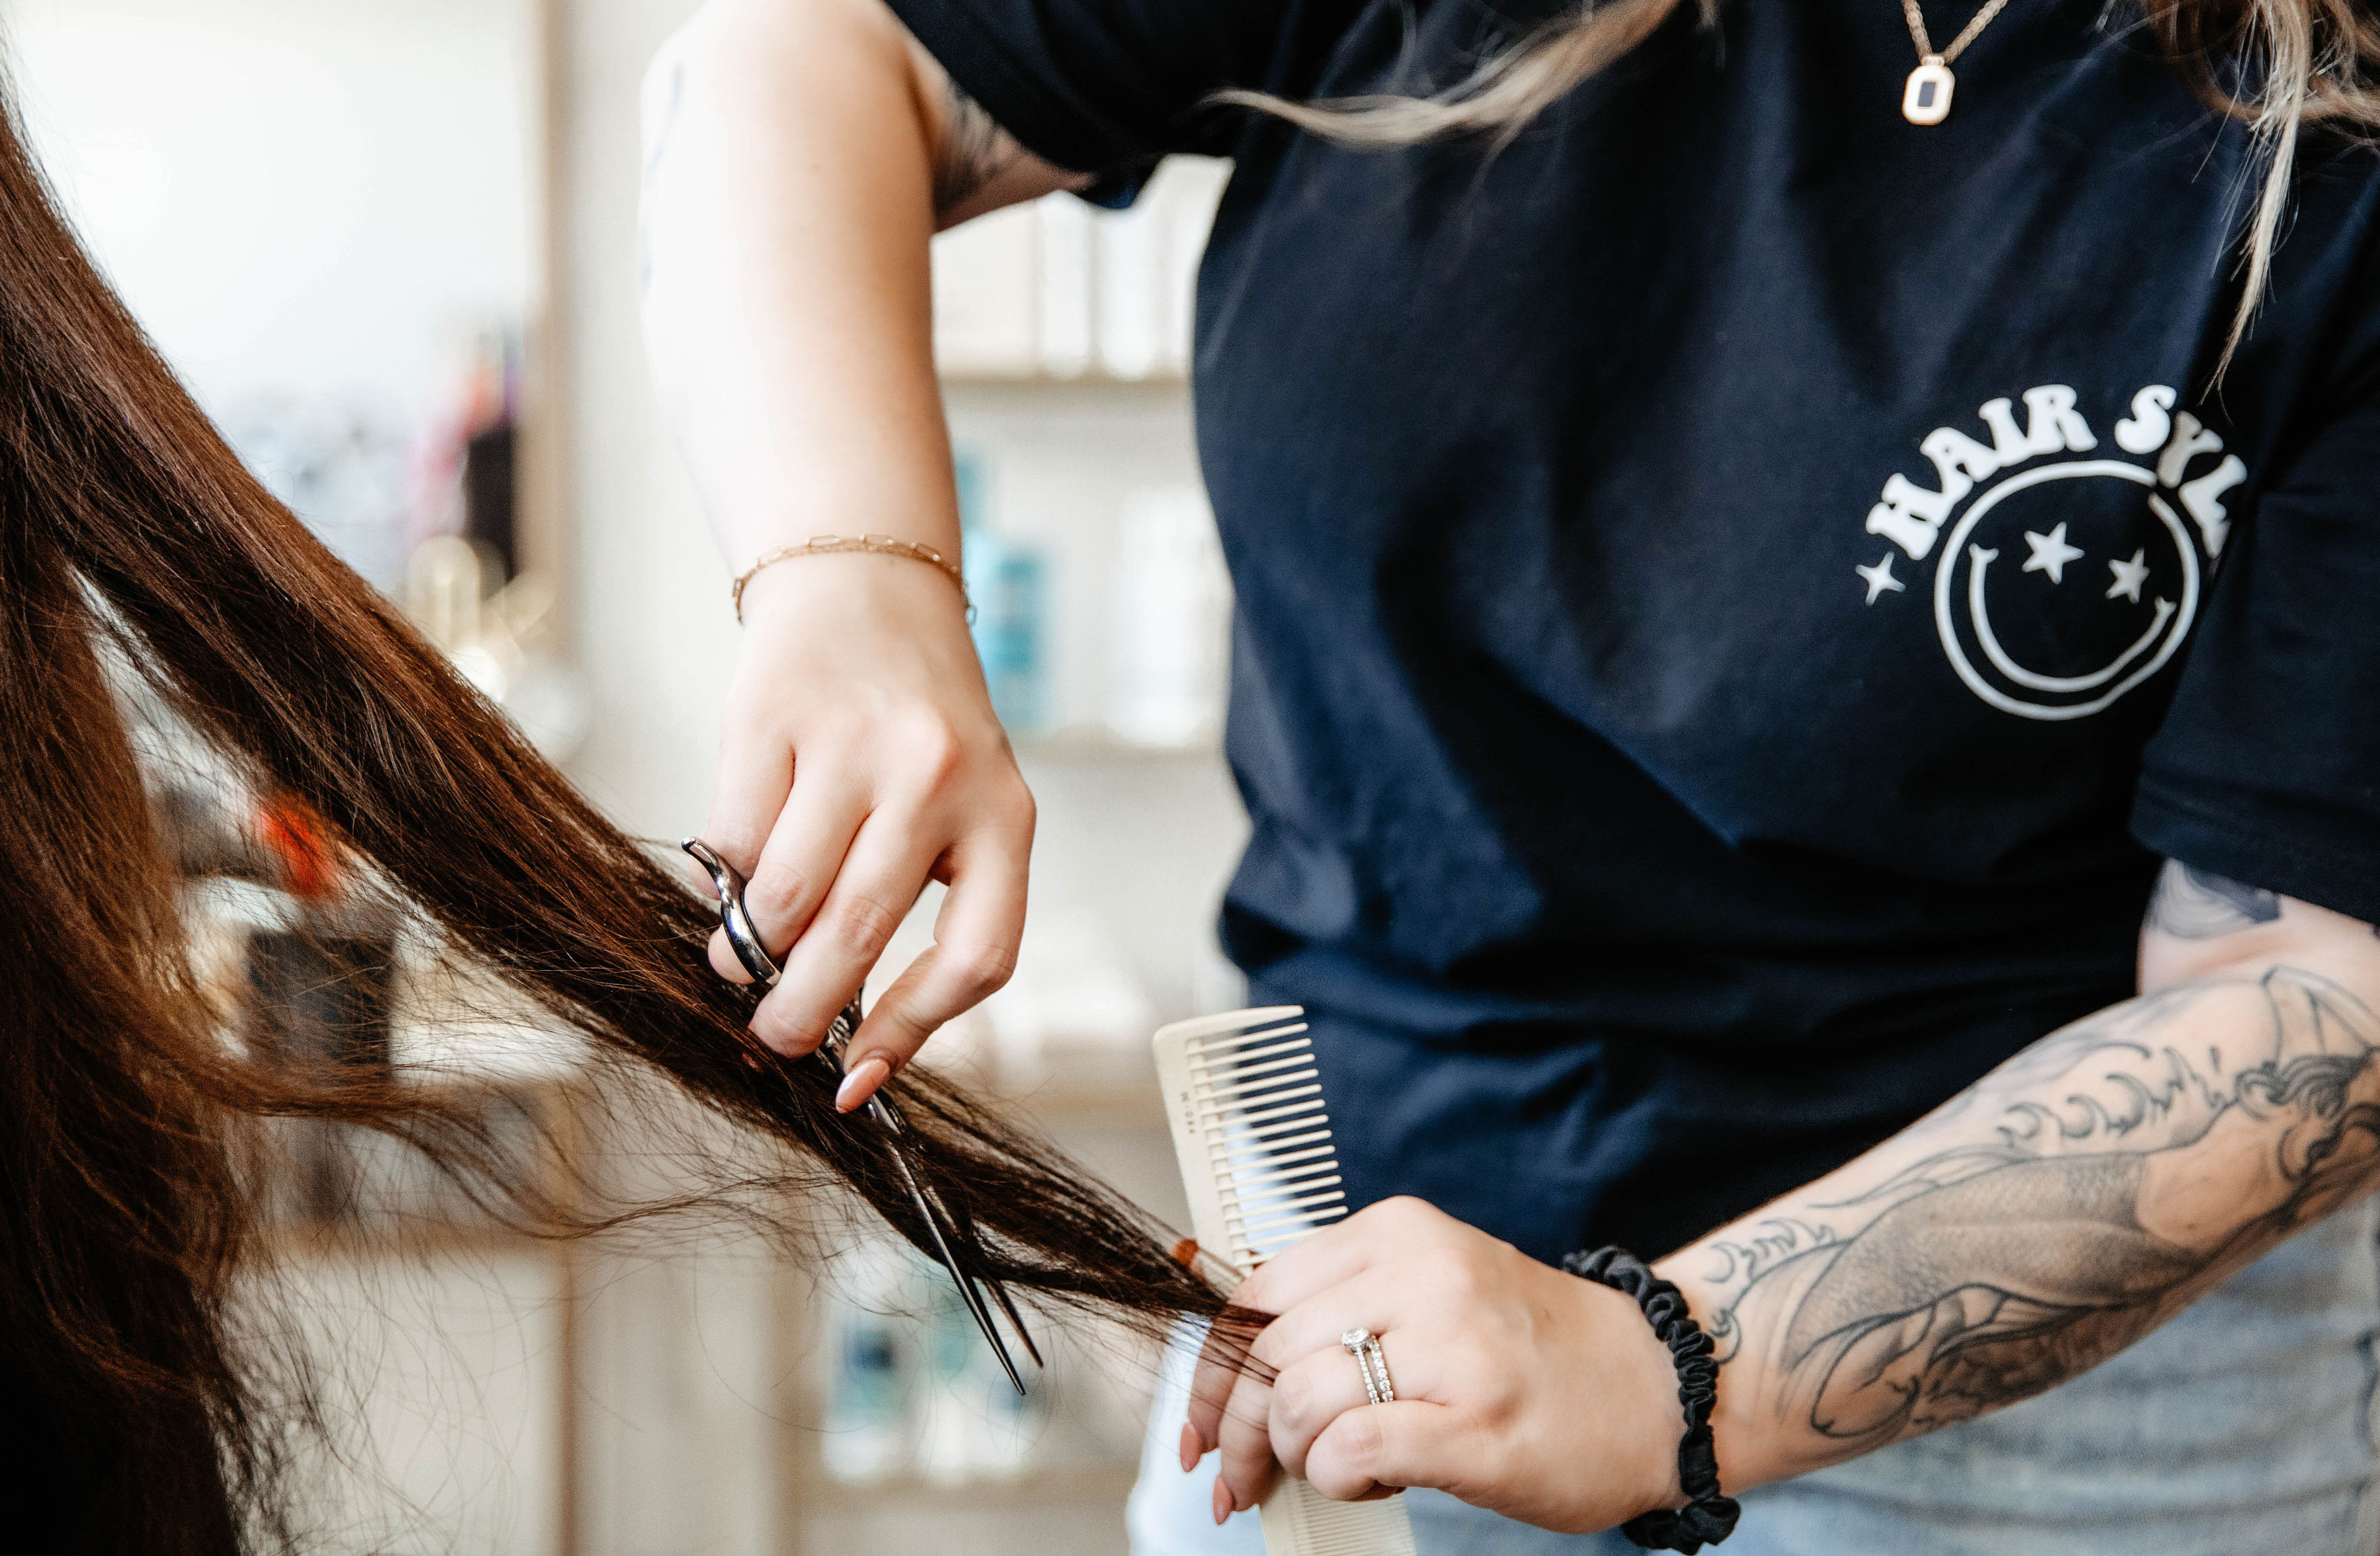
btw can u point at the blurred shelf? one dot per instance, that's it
(1094, 747)
(1103, 1484)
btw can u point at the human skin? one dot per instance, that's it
(800, 154)
(2052, 1213)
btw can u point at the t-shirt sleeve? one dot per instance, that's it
(1110, 86)
(2267, 766)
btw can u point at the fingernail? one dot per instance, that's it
(1192, 1451)
(860, 1083)
(1223, 1499)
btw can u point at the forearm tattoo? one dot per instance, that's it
(2194, 904)
(974, 152)
(2063, 1209)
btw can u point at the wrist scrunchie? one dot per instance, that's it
(1707, 1517)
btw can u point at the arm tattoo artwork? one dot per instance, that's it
(2194, 904)
(974, 152)
(2052, 1221)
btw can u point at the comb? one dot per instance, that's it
(1252, 1134)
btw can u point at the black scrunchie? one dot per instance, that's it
(1707, 1517)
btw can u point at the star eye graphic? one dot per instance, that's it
(2050, 553)
(2129, 576)
(1879, 578)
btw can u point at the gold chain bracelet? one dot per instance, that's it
(883, 545)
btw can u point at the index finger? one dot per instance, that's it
(975, 938)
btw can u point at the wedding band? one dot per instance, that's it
(1365, 1346)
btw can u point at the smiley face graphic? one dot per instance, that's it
(2064, 587)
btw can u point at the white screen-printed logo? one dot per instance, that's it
(2061, 583)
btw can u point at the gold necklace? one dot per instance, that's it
(1926, 98)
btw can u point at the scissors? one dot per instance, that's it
(948, 1231)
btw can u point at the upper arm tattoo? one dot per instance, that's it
(2194, 904)
(974, 152)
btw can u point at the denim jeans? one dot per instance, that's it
(2243, 1428)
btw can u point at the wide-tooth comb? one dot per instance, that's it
(1252, 1134)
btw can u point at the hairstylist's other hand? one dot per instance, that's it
(1520, 1389)
(860, 759)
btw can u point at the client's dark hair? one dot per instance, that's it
(134, 544)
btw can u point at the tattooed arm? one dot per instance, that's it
(798, 156)
(2069, 1202)
(2056, 1210)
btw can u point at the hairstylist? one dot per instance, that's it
(1795, 723)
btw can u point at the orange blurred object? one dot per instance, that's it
(300, 839)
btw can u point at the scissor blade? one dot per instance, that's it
(965, 1225)
(959, 1277)
(1016, 1320)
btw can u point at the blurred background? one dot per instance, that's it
(390, 244)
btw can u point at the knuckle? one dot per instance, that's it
(1351, 1465)
(736, 839)
(862, 925)
(1458, 1281)
(1020, 810)
(776, 885)
(934, 748)
(776, 1026)
(1296, 1403)
(980, 971)
(909, 1032)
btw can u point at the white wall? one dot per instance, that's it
(300, 198)
(655, 637)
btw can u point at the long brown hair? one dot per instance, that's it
(135, 551)
(2304, 63)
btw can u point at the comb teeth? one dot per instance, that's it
(1243, 1096)
(1249, 1108)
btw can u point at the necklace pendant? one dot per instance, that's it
(1926, 98)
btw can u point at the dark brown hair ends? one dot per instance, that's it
(132, 540)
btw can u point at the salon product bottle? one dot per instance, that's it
(1066, 300)
(1006, 579)
(1169, 632)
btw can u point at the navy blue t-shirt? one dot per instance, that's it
(1735, 589)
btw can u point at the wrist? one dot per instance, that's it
(1698, 1511)
(1639, 1369)
(851, 587)
(1743, 1422)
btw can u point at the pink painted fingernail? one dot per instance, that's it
(1224, 1508)
(860, 1083)
(1192, 1449)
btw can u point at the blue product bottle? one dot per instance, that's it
(1005, 577)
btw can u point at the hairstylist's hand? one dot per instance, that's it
(1520, 1389)
(860, 759)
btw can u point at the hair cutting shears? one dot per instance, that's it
(947, 1231)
